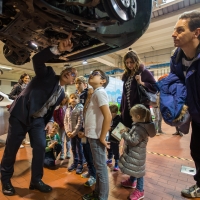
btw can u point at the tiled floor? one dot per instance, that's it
(163, 180)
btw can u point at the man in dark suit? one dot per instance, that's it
(32, 112)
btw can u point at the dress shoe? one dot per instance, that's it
(41, 186)
(8, 189)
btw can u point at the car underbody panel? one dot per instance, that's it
(98, 26)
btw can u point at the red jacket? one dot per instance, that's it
(59, 115)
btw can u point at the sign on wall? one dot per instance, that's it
(114, 90)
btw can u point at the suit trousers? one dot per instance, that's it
(16, 133)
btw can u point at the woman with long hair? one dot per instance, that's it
(19, 87)
(135, 73)
(16, 90)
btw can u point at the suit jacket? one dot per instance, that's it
(38, 91)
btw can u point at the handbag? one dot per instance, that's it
(147, 98)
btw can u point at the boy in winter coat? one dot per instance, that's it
(73, 123)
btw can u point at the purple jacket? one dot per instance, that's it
(149, 81)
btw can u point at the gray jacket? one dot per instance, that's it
(132, 161)
(73, 120)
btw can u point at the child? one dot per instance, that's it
(52, 146)
(83, 92)
(132, 161)
(114, 144)
(158, 120)
(73, 122)
(97, 123)
(59, 115)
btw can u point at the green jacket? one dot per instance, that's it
(48, 141)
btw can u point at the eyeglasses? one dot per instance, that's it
(96, 73)
(73, 74)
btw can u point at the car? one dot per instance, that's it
(98, 27)
(5, 103)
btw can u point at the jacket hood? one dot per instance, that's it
(149, 128)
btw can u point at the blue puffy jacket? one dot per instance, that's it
(172, 98)
(192, 81)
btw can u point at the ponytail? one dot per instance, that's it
(142, 111)
(148, 116)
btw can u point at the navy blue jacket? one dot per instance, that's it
(192, 81)
(38, 91)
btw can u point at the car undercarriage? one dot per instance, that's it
(98, 27)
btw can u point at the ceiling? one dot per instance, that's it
(157, 37)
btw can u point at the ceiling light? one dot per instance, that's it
(5, 67)
(85, 62)
(34, 44)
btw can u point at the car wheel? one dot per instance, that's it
(16, 55)
(122, 10)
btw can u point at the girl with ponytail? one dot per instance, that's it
(132, 161)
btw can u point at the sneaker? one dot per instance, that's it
(91, 196)
(136, 195)
(21, 146)
(85, 175)
(90, 182)
(181, 134)
(176, 133)
(191, 192)
(161, 132)
(72, 167)
(62, 157)
(157, 134)
(68, 155)
(109, 161)
(79, 169)
(127, 183)
(116, 167)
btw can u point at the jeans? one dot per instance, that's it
(99, 158)
(158, 119)
(49, 159)
(62, 135)
(88, 156)
(140, 182)
(195, 150)
(77, 150)
(114, 150)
